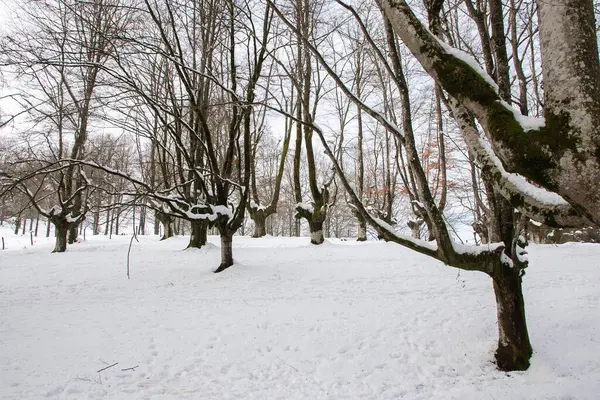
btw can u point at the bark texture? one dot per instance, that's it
(198, 235)
(226, 253)
(514, 349)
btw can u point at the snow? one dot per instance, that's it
(539, 194)
(428, 245)
(344, 320)
(255, 206)
(418, 203)
(469, 60)
(527, 123)
(475, 250)
(306, 206)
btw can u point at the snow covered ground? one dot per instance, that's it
(289, 321)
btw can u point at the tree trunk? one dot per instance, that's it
(142, 226)
(362, 229)
(226, 252)
(260, 225)
(167, 222)
(37, 224)
(156, 223)
(107, 228)
(117, 222)
(198, 235)
(415, 228)
(61, 228)
(17, 225)
(316, 232)
(48, 223)
(514, 349)
(96, 223)
(73, 233)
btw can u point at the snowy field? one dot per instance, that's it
(288, 321)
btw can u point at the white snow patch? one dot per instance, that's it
(539, 194)
(348, 320)
(527, 123)
(470, 61)
(475, 250)
(428, 245)
(306, 206)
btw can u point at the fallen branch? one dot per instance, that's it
(130, 368)
(110, 366)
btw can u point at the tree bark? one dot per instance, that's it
(260, 224)
(226, 252)
(198, 235)
(156, 223)
(362, 229)
(73, 233)
(514, 349)
(142, 225)
(316, 231)
(61, 228)
(96, 223)
(167, 222)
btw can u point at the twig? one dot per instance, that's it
(110, 366)
(292, 367)
(130, 368)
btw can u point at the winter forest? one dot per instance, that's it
(299, 199)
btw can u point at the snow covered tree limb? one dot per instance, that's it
(564, 154)
(536, 203)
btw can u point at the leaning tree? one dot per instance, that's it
(559, 154)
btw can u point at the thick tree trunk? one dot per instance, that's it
(61, 228)
(316, 232)
(362, 229)
(514, 349)
(17, 225)
(226, 252)
(167, 222)
(260, 225)
(198, 235)
(73, 233)
(48, 223)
